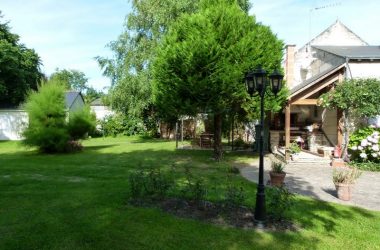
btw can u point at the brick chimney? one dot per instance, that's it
(289, 65)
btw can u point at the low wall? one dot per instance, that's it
(12, 122)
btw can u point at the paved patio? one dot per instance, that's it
(316, 181)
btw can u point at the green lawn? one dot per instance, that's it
(78, 201)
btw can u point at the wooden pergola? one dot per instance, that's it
(305, 94)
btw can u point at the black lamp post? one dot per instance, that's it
(256, 82)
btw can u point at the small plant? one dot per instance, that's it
(152, 184)
(136, 184)
(233, 170)
(346, 176)
(194, 189)
(294, 148)
(277, 167)
(234, 197)
(279, 201)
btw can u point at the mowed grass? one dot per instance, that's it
(79, 201)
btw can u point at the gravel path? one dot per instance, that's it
(316, 181)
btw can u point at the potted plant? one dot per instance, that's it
(294, 150)
(277, 174)
(344, 180)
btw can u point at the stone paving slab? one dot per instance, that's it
(316, 181)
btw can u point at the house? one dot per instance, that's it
(14, 119)
(101, 111)
(334, 55)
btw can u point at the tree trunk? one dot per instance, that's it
(218, 150)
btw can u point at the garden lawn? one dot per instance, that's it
(79, 201)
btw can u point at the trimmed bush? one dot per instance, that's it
(47, 128)
(81, 122)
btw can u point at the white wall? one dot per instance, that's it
(12, 122)
(364, 70)
(101, 111)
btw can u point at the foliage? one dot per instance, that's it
(194, 189)
(19, 67)
(345, 176)
(72, 79)
(357, 95)
(277, 167)
(81, 122)
(233, 170)
(366, 166)
(364, 145)
(294, 148)
(279, 201)
(48, 128)
(47, 119)
(152, 184)
(135, 49)
(234, 196)
(92, 94)
(357, 98)
(199, 68)
(120, 124)
(76, 80)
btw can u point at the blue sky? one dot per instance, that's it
(69, 34)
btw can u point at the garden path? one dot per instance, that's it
(316, 181)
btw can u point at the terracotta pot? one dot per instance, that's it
(277, 179)
(344, 191)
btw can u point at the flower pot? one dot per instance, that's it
(344, 191)
(277, 179)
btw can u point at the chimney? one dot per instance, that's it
(289, 65)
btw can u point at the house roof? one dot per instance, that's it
(70, 97)
(97, 102)
(353, 52)
(314, 79)
(336, 34)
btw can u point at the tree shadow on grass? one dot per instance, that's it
(95, 211)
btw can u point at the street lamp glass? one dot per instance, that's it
(259, 79)
(276, 81)
(249, 84)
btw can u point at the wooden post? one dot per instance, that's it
(339, 115)
(182, 130)
(287, 131)
(176, 135)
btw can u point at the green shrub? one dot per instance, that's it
(364, 145)
(234, 196)
(279, 201)
(47, 128)
(119, 124)
(152, 184)
(366, 166)
(195, 189)
(294, 148)
(81, 122)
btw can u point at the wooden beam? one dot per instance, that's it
(314, 89)
(306, 102)
(287, 131)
